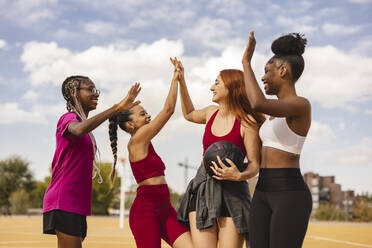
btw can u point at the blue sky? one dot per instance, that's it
(116, 43)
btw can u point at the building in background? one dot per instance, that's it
(324, 190)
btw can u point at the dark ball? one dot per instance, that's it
(223, 149)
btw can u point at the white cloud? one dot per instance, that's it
(361, 1)
(335, 78)
(64, 34)
(363, 47)
(30, 95)
(47, 63)
(214, 33)
(231, 8)
(102, 28)
(113, 66)
(320, 133)
(329, 11)
(3, 44)
(359, 154)
(342, 125)
(368, 111)
(12, 113)
(302, 25)
(337, 29)
(28, 12)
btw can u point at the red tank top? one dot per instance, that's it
(150, 166)
(233, 136)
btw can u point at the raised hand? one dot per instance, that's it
(225, 173)
(247, 57)
(128, 102)
(181, 75)
(178, 69)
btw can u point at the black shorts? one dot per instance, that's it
(69, 223)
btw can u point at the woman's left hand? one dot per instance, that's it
(225, 173)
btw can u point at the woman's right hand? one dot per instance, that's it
(247, 57)
(128, 102)
(178, 69)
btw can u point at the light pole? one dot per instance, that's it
(187, 167)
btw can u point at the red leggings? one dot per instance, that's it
(153, 218)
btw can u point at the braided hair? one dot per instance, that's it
(69, 91)
(289, 48)
(117, 120)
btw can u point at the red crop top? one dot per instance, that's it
(150, 166)
(233, 136)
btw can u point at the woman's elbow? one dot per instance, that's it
(255, 167)
(169, 110)
(78, 132)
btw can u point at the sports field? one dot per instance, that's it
(25, 232)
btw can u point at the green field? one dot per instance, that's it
(25, 232)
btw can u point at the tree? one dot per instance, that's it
(329, 212)
(104, 193)
(37, 195)
(362, 211)
(19, 201)
(175, 198)
(14, 175)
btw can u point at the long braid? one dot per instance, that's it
(72, 84)
(117, 120)
(113, 133)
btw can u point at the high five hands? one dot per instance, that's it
(128, 102)
(178, 69)
(247, 57)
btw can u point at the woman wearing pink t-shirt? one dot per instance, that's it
(67, 200)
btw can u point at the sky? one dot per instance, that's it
(117, 43)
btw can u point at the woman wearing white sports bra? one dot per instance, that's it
(282, 203)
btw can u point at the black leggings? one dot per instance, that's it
(281, 208)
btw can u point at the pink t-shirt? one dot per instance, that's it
(71, 186)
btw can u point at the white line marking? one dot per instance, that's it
(339, 241)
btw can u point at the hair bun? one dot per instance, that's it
(293, 43)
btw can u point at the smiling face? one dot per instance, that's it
(88, 99)
(271, 78)
(139, 117)
(219, 90)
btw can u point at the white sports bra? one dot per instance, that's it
(276, 133)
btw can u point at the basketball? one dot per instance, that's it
(223, 149)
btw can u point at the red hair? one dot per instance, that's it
(237, 100)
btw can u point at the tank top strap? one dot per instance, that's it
(210, 121)
(236, 127)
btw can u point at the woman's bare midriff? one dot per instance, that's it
(153, 181)
(274, 158)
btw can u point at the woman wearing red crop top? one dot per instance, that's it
(282, 202)
(217, 209)
(152, 216)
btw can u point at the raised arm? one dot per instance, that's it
(188, 110)
(291, 106)
(84, 127)
(147, 132)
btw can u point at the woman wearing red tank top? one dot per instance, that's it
(152, 216)
(217, 209)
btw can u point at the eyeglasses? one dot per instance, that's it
(93, 90)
